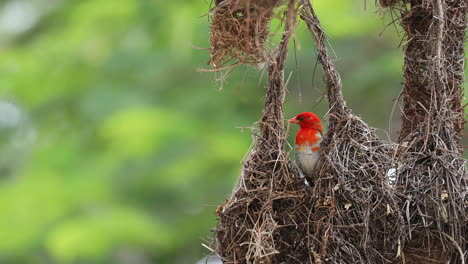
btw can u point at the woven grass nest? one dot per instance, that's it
(239, 30)
(355, 213)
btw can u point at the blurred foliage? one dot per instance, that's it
(115, 150)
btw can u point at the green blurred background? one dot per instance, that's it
(114, 149)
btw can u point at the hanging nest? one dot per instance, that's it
(374, 201)
(431, 175)
(356, 212)
(239, 30)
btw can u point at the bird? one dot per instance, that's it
(308, 140)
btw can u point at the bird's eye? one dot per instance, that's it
(301, 118)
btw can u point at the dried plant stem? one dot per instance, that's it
(439, 41)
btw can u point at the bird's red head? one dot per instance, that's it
(307, 120)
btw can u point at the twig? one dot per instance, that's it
(440, 35)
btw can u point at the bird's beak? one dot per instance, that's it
(293, 120)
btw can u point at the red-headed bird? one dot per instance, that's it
(308, 141)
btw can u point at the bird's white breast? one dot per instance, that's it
(307, 159)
